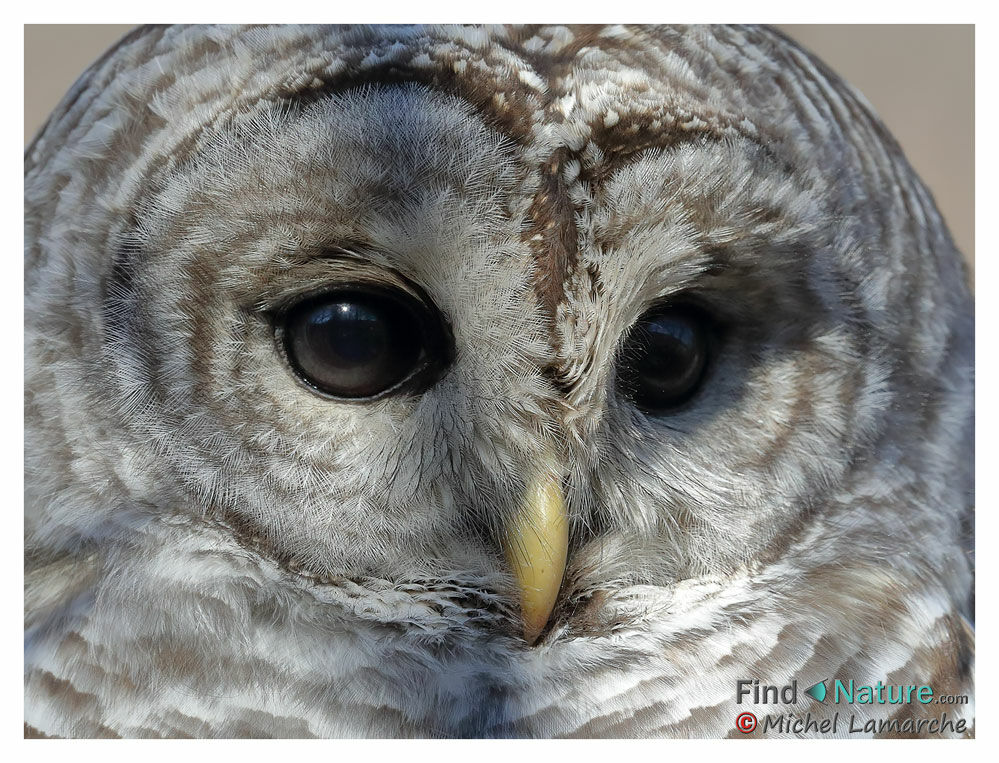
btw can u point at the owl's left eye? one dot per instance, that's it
(359, 343)
(664, 358)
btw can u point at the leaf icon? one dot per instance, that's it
(818, 691)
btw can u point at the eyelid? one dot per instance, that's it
(291, 302)
(307, 275)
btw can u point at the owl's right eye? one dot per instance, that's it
(361, 343)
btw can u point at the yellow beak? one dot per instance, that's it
(536, 544)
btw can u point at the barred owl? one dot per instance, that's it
(460, 381)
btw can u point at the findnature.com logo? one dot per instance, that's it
(846, 693)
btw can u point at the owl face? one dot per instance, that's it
(352, 355)
(555, 338)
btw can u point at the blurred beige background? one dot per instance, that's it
(919, 78)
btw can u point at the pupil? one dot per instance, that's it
(348, 334)
(672, 348)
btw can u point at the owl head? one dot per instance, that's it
(535, 317)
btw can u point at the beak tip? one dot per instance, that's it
(533, 627)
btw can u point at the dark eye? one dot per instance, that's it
(362, 343)
(664, 358)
